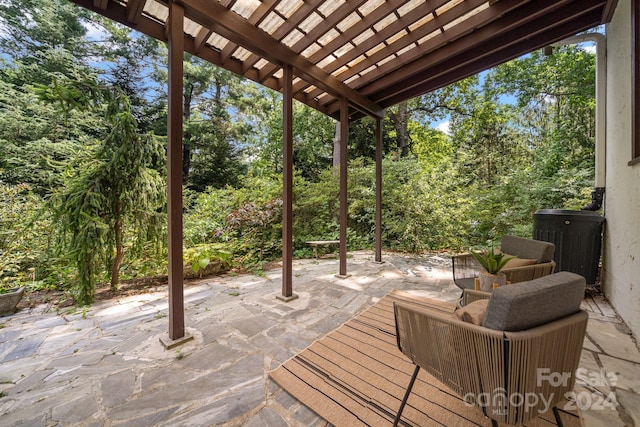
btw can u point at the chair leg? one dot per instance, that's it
(494, 423)
(556, 414)
(406, 396)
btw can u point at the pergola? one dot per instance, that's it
(345, 58)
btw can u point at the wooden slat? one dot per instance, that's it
(328, 23)
(482, 58)
(256, 18)
(134, 10)
(367, 22)
(410, 74)
(241, 32)
(201, 39)
(289, 24)
(522, 23)
(444, 19)
(515, 30)
(100, 4)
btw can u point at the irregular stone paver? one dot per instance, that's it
(626, 373)
(615, 339)
(105, 366)
(631, 403)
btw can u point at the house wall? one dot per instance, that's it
(621, 256)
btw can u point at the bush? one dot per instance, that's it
(24, 239)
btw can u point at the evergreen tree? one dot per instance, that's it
(113, 189)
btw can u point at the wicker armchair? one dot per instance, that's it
(466, 268)
(530, 330)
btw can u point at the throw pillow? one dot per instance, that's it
(519, 262)
(473, 312)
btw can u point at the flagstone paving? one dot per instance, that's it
(105, 365)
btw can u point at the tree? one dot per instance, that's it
(215, 105)
(313, 134)
(127, 59)
(362, 137)
(42, 46)
(555, 97)
(426, 108)
(37, 26)
(115, 188)
(37, 138)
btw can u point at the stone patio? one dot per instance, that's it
(105, 366)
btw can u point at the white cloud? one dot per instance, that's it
(94, 31)
(444, 127)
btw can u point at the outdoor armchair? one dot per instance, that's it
(534, 260)
(529, 332)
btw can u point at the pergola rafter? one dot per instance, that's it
(375, 53)
(233, 27)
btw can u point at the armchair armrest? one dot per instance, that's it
(431, 340)
(529, 272)
(471, 295)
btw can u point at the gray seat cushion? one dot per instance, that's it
(525, 305)
(527, 248)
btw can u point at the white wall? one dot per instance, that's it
(621, 258)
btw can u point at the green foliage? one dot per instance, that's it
(257, 229)
(32, 26)
(24, 232)
(200, 256)
(491, 261)
(313, 135)
(315, 209)
(215, 161)
(521, 139)
(35, 137)
(115, 185)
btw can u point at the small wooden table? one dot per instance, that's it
(315, 243)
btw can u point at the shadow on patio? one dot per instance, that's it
(106, 366)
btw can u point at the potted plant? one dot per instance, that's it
(9, 299)
(492, 262)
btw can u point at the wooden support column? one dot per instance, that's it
(344, 139)
(287, 184)
(378, 219)
(174, 176)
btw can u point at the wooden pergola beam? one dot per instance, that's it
(238, 30)
(118, 13)
(378, 213)
(400, 25)
(134, 10)
(415, 67)
(465, 68)
(174, 171)
(450, 15)
(368, 21)
(287, 186)
(329, 22)
(344, 141)
(416, 72)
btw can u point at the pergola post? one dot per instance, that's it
(174, 176)
(344, 139)
(378, 219)
(287, 184)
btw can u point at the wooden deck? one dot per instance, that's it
(356, 376)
